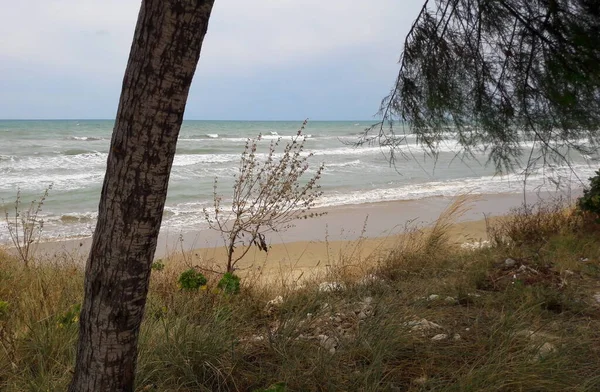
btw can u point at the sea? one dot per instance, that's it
(70, 156)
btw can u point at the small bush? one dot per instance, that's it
(191, 280)
(533, 225)
(158, 265)
(229, 283)
(590, 201)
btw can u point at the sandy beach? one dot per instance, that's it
(356, 232)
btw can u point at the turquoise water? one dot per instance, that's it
(71, 155)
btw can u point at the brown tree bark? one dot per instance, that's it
(165, 50)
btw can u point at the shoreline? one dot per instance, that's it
(340, 224)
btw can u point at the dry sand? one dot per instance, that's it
(293, 260)
(358, 232)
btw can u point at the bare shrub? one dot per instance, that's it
(25, 227)
(268, 195)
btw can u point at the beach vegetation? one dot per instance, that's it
(589, 203)
(426, 315)
(25, 225)
(229, 283)
(158, 265)
(269, 193)
(191, 280)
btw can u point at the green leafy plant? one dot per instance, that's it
(229, 283)
(191, 280)
(158, 265)
(590, 201)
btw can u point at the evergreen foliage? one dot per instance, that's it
(498, 74)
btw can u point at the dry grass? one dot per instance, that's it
(529, 326)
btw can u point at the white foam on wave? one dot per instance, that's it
(189, 216)
(548, 180)
(195, 159)
(85, 138)
(53, 162)
(353, 163)
(64, 182)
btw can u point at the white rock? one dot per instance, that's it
(420, 381)
(273, 304)
(450, 300)
(597, 297)
(433, 297)
(422, 325)
(327, 342)
(475, 245)
(276, 301)
(509, 262)
(368, 279)
(456, 337)
(331, 286)
(441, 336)
(367, 301)
(546, 349)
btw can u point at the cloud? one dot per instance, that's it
(246, 41)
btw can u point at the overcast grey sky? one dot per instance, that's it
(261, 59)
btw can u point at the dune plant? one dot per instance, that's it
(268, 195)
(25, 226)
(229, 283)
(191, 280)
(590, 201)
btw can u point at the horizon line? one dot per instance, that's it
(187, 119)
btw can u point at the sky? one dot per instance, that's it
(261, 59)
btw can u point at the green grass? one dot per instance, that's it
(207, 341)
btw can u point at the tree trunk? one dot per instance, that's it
(165, 50)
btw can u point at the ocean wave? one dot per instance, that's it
(199, 137)
(240, 139)
(46, 163)
(543, 180)
(353, 163)
(78, 151)
(85, 138)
